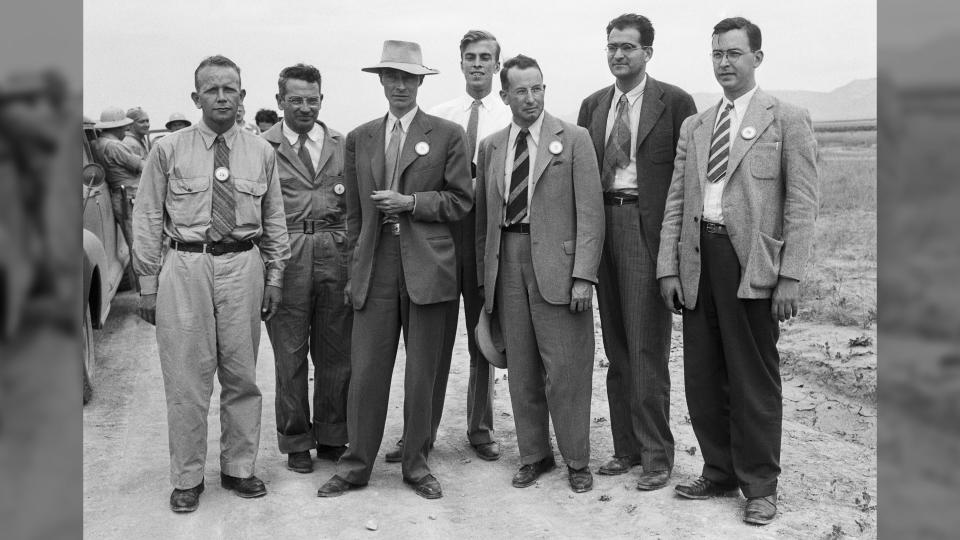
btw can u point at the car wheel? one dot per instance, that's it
(89, 354)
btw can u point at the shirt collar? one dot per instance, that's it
(405, 120)
(741, 103)
(534, 129)
(486, 102)
(208, 135)
(633, 95)
(315, 133)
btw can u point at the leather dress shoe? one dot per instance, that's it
(248, 488)
(300, 462)
(760, 510)
(529, 473)
(395, 455)
(331, 453)
(427, 487)
(651, 480)
(702, 488)
(335, 487)
(618, 465)
(186, 500)
(488, 451)
(580, 479)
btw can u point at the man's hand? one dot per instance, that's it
(785, 302)
(671, 291)
(148, 308)
(581, 296)
(391, 202)
(271, 301)
(347, 295)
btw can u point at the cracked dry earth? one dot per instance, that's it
(828, 486)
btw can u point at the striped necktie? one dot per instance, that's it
(223, 213)
(616, 155)
(304, 155)
(720, 147)
(519, 180)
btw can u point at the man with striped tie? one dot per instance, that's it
(737, 231)
(539, 236)
(213, 190)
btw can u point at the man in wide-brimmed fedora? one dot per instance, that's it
(407, 176)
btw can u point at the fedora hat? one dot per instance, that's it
(177, 117)
(113, 117)
(401, 55)
(490, 340)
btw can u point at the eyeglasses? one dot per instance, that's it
(627, 48)
(298, 101)
(732, 55)
(522, 93)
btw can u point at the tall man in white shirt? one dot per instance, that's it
(481, 112)
(737, 231)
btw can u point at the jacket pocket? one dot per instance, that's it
(569, 247)
(765, 160)
(249, 197)
(187, 204)
(763, 268)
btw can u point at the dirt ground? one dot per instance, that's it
(828, 488)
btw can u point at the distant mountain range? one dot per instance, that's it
(856, 100)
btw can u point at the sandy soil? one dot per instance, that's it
(828, 486)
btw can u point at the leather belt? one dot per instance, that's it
(392, 227)
(312, 226)
(213, 248)
(714, 228)
(520, 228)
(619, 199)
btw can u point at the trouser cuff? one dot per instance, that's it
(330, 434)
(237, 470)
(186, 480)
(759, 490)
(300, 442)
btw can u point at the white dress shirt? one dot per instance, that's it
(713, 191)
(314, 141)
(493, 115)
(533, 140)
(625, 179)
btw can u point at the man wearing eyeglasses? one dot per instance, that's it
(635, 124)
(539, 237)
(312, 316)
(737, 232)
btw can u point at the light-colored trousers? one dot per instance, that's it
(208, 320)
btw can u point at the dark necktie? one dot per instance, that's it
(223, 214)
(616, 155)
(304, 155)
(393, 155)
(720, 147)
(472, 128)
(519, 180)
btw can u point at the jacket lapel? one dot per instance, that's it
(418, 133)
(495, 182)
(758, 116)
(549, 132)
(598, 124)
(701, 138)
(376, 141)
(650, 109)
(287, 152)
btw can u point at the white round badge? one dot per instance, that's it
(555, 148)
(422, 148)
(338, 189)
(221, 174)
(748, 132)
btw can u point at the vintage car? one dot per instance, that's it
(105, 254)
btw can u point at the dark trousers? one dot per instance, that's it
(732, 374)
(312, 318)
(636, 339)
(376, 334)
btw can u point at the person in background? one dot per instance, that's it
(265, 119)
(177, 121)
(137, 138)
(241, 111)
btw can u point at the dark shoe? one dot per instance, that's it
(760, 510)
(300, 462)
(488, 451)
(580, 479)
(331, 453)
(702, 488)
(395, 455)
(618, 465)
(335, 487)
(652, 480)
(529, 473)
(186, 500)
(248, 488)
(427, 487)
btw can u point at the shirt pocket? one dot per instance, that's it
(187, 203)
(249, 199)
(765, 160)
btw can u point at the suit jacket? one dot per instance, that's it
(566, 210)
(441, 181)
(769, 204)
(663, 109)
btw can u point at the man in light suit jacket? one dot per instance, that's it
(635, 125)
(407, 177)
(312, 316)
(539, 238)
(737, 232)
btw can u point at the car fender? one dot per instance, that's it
(94, 261)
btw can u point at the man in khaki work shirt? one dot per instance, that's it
(213, 189)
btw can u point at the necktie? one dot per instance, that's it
(519, 180)
(223, 215)
(472, 128)
(304, 155)
(720, 147)
(616, 155)
(393, 155)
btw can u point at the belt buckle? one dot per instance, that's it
(714, 227)
(395, 228)
(216, 249)
(619, 200)
(309, 226)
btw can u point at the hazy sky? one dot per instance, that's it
(143, 52)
